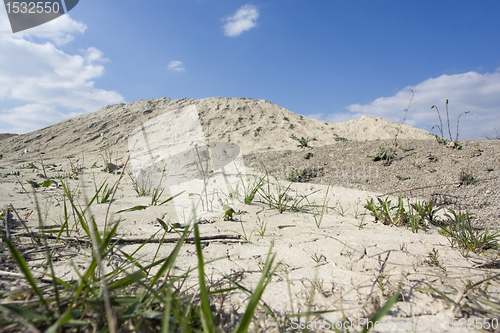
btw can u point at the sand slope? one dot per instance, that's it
(252, 124)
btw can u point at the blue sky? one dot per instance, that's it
(333, 60)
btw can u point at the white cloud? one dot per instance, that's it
(244, 19)
(175, 66)
(41, 83)
(474, 92)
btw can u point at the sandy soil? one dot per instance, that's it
(345, 264)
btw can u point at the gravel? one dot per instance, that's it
(422, 169)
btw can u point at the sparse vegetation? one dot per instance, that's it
(301, 175)
(441, 140)
(465, 237)
(384, 154)
(302, 142)
(399, 214)
(339, 138)
(467, 177)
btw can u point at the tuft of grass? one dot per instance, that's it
(302, 142)
(301, 176)
(339, 138)
(465, 237)
(399, 214)
(384, 154)
(251, 190)
(466, 177)
(277, 197)
(261, 227)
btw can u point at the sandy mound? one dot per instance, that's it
(252, 124)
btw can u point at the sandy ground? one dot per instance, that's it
(345, 264)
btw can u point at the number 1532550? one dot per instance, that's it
(32, 7)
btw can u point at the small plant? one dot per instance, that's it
(303, 142)
(427, 211)
(261, 227)
(433, 258)
(384, 154)
(318, 258)
(251, 190)
(301, 176)
(403, 178)
(244, 235)
(228, 213)
(143, 184)
(395, 215)
(441, 140)
(467, 177)
(382, 212)
(463, 235)
(282, 201)
(339, 209)
(339, 138)
(406, 148)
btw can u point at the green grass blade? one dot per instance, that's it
(26, 271)
(23, 312)
(66, 317)
(382, 311)
(171, 198)
(132, 209)
(169, 262)
(166, 314)
(256, 296)
(206, 312)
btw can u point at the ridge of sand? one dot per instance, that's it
(252, 124)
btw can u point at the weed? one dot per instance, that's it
(251, 190)
(427, 211)
(143, 184)
(384, 154)
(261, 227)
(281, 200)
(406, 148)
(303, 142)
(441, 140)
(433, 258)
(340, 209)
(318, 259)
(397, 214)
(489, 137)
(244, 235)
(339, 138)
(382, 212)
(301, 176)
(129, 295)
(323, 207)
(466, 177)
(463, 235)
(403, 178)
